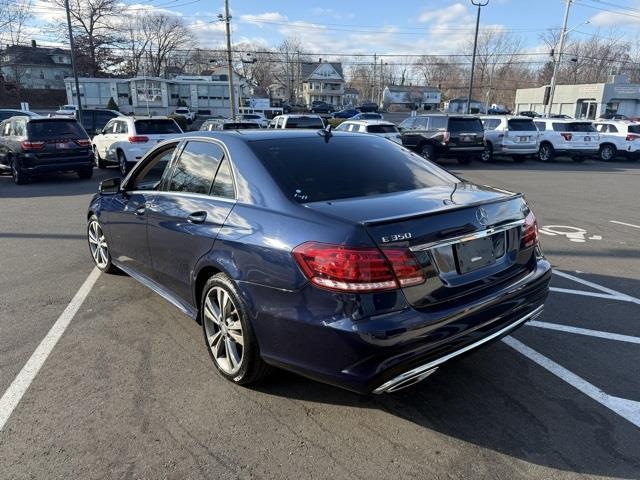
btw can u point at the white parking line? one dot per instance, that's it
(583, 292)
(23, 380)
(584, 331)
(627, 409)
(625, 224)
(615, 295)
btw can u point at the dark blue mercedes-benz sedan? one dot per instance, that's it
(343, 257)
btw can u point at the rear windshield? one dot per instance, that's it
(312, 170)
(634, 128)
(372, 116)
(381, 129)
(465, 125)
(573, 127)
(250, 116)
(522, 125)
(304, 122)
(238, 126)
(44, 129)
(156, 126)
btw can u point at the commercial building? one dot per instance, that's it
(322, 81)
(35, 67)
(157, 96)
(589, 100)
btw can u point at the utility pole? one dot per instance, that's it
(479, 4)
(379, 99)
(556, 63)
(373, 88)
(232, 96)
(73, 60)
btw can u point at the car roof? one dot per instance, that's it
(563, 120)
(443, 114)
(508, 117)
(144, 117)
(370, 122)
(298, 115)
(261, 134)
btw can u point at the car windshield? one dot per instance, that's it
(156, 126)
(573, 127)
(51, 129)
(304, 122)
(522, 125)
(313, 170)
(465, 125)
(382, 129)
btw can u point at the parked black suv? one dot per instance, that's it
(437, 136)
(33, 145)
(321, 107)
(94, 120)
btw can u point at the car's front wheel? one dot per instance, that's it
(607, 152)
(428, 152)
(98, 246)
(487, 155)
(100, 163)
(228, 334)
(546, 152)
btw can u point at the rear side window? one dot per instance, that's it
(634, 128)
(438, 123)
(540, 126)
(223, 184)
(50, 129)
(491, 124)
(312, 170)
(304, 122)
(408, 123)
(382, 129)
(421, 123)
(156, 127)
(465, 125)
(195, 168)
(522, 125)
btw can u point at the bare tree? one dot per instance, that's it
(134, 43)
(167, 36)
(19, 15)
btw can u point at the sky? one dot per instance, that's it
(376, 26)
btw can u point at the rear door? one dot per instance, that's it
(413, 135)
(465, 132)
(521, 132)
(578, 135)
(188, 212)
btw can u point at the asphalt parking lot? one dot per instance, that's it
(128, 391)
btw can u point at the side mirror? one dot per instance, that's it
(111, 186)
(98, 131)
(400, 129)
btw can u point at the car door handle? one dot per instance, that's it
(140, 210)
(197, 217)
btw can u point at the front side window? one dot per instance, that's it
(408, 123)
(151, 174)
(108, 128)
(421, 123)
(196, 167)
(613, 129)
(541, 126)
(491, 124)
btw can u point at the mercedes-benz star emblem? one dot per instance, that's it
(482, 216)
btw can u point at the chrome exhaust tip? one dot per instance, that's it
(407, 382)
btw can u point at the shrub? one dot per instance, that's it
(334, 122)
(112, 105)
(181, 103)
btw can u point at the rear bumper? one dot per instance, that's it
(365, 354)
(519, 150)
(461, 151)
(35, 166)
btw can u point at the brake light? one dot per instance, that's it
(529, 231)
(27, 145)
(138, 139)
(356, 269)
(566, 136)
(83, 142)
(631, 137)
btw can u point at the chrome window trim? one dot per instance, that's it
(465, 238)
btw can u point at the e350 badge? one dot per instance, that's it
(396, 238)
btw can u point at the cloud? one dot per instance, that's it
(331, 13)
(259, 18)
(455, 13)
(613, 19)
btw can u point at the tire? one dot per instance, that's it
(18, 175)
(100, 163)
(85, 174)
(464, 160)
(607, 152)
(98, 246)
(518, 158)
(122, 164)
(230, 340)
(546, 153)
(428, 153)
(487, 155)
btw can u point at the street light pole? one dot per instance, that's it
(73, 60)
(479, 4)
(232, 96)
(556, 63)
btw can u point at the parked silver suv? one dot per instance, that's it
(509, 135)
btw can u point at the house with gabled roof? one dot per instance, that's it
(322, 81)
(34, 66)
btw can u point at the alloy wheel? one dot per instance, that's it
(487, 154)
(122, 163)
(98, 245)
(544, 154)
(223, 330)
(606, 153)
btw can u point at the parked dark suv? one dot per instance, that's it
(33, 145)
(94, 120)
(444, 136)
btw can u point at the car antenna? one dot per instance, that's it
(326, 133)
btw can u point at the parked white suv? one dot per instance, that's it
(514, 136)
(374, 127)
(559, 136)
(124, 140)
(186, 113)
(297, 121)
(258, 118)
(618, 137)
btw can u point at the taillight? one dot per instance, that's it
(83, 142)
(529, 231)
(566, 136)
(631, 137)
(27, 145)
(138, 139)
(357, 269)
